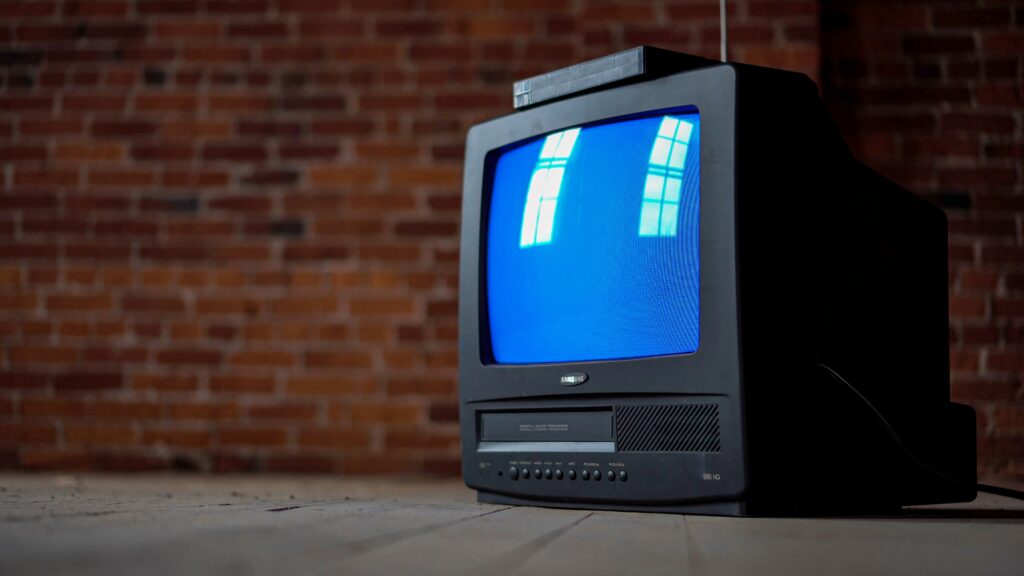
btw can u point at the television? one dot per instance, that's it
(679, 292)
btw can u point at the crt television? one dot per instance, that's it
(679, 292)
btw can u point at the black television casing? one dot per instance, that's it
(807, 257)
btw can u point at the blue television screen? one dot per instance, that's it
(593, 243)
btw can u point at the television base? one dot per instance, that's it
(720, 508)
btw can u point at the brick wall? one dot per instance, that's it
(931, 93)
(228, 228)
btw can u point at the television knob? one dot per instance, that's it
(513, 473)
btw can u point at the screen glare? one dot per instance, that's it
(593, 243)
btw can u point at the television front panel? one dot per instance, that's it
(598, 328)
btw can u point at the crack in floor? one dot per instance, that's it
(514, 558)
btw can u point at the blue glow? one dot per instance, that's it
(593, 243)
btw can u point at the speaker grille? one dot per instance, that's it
(675, 428)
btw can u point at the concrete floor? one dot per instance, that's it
(156, 524)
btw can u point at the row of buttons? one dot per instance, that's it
(557, 474)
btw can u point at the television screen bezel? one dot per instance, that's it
(714, 368)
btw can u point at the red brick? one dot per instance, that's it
(16, 433)
(263, 358)
(117, 409)
(166, 103)
(119, 355)
(427, 228)
(444, 412)
(382, 307)
(308, 252)
(283, 412)
(387, 413)
(422, 440)
(203, 411)
(1000, 95)
(122, 128)
(367, 464)
(421, 386)
(92, 251)
(45, 355)
(344, 127)
(88, 152)
(177, 438)
(87, 381)
(334, 385)
(237, 6)
(140, 303)
(389, 253)
(265, 29)
(976, 122)
(301, 464)
(167, 6)
(442, 466)
(45, 178)
(965, 307)
(121, 178)
(220, 55)
(335, 438)
(1010, 43)
(18, 301)
(432, 176)
(247, 203)
(1005, 361)
(263, 436)
(96, 8)
(33, 153)
(241, 103)
(40, 458)
(100, 435)
(320, 305)
(234, 152)
(187, 356)
(329, 28)
(175, 383)
(333, 176)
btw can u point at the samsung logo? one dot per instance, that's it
(574, 379)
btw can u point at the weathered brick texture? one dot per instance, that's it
(932, 94)
(228, 228)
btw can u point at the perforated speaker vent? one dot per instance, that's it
(674, 428)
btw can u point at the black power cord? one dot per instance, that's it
(1008, 492)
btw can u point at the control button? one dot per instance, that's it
(547, 473)
(558, 474)
(586, 474)
(536, 473)
(597, 474)
(611, 476)
(572, 474)
(623, 476)
(513, 473)
(526, 473)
